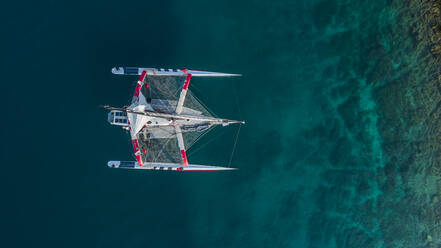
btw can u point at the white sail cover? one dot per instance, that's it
(136, 121)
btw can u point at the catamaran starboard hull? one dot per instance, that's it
(169, 72)
(165, 166)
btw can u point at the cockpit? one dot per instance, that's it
(116, 117)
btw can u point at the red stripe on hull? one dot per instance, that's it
(135, 145)
(142, 77)
(187, 82)
(137, 89)
(139, 84)
(137, 153)
(139, 160)
(184, 157)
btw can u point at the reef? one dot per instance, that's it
(383, 187)
(409, 101)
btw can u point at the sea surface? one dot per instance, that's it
(331, 154)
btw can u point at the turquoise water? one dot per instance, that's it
(319, 157)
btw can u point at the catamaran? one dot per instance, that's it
(164, 119)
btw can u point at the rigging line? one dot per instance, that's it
(203, 104)
(148, 145)
(200, 136)
(164, 88)
(179, 88)
(193, 86)
(208, 142)
(162, 148)
(234, 146)
(200, 102)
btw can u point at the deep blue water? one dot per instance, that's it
(311, 155)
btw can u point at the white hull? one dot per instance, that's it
(169, 72)
(165, 166)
